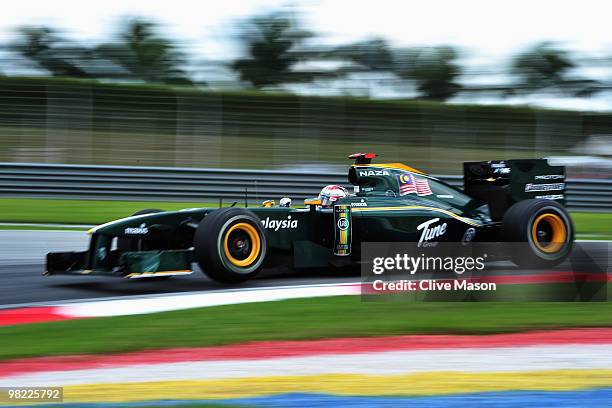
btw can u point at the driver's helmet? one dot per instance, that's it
(331, 194)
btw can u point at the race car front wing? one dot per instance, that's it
(101, 260)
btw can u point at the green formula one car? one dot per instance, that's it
(502, 201)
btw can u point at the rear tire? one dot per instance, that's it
(230, 245)
(540, 231)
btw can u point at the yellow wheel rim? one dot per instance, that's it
(558, 230)
(255, 244)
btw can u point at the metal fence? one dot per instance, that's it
(190, 184)
(54, 120)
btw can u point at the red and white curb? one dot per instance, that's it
(569, 349)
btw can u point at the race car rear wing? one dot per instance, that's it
(502, 183)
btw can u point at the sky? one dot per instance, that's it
(488, 32)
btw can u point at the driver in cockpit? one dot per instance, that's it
(330, 194)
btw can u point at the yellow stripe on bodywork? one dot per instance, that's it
(419, 384)
(160, 273)
(312, 201)
(417, 207)
(396, 166)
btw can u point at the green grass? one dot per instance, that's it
(343, 316)
(596, 225)
(37, 227)
(34, 210)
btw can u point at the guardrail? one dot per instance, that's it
(188, 184)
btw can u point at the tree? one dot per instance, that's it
(370, 55)
(271, 44)
(544, 67)
(43, 46)
(434, 70)
(144, 54)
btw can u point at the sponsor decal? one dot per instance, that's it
(468, 236)
(141, 230)
(503, 170)
(342, 233)
(367, 173)
(101, 253)
(544, 187)
(430, 231)
(551, 196)
(279, 224)
(549, 177)
(498, 165)
(359, 204)
(343, 224)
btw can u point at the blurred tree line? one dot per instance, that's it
(139, 53)
(277, 51)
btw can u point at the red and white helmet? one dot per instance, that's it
(331, 194)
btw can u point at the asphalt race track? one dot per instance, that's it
(22, 255)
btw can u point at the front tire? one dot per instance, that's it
(230, 245)
(540, 233)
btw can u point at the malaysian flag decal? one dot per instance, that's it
(422, 187)
(406, 184)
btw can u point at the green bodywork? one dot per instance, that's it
(379, 213)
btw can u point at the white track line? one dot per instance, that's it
(164, 303)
